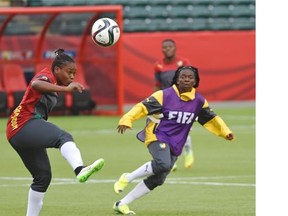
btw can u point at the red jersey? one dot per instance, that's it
(33, 105)
(164, 72)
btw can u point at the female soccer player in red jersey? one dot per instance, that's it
(179, 105)
(30, 134)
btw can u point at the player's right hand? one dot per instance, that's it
(122, 128)
(75, 86)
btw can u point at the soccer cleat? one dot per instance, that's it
(124, 209)
(174, 168)
(87, 171)
(121, 184)
(189, 160)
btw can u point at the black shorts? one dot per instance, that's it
(31, 143)
(38, 133)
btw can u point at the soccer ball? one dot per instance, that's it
(105, 32)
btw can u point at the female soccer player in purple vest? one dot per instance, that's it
(30, 134)
(178, 107)
(164, 70)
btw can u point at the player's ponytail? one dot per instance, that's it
(59, 51)
(61, 58)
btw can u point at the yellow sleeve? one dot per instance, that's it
(136, 112)
(142, 109)
(217, 126)
(158, 95)
(205, 104)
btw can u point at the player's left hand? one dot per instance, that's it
(230, 136)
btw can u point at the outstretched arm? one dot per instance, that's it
(150, 105)
(135, 113)
(214, 123)
(43, 87)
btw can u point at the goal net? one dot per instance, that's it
(29, 37)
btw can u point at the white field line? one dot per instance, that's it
(187, 180)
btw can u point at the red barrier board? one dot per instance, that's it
(226, 60)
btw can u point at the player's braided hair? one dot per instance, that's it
(61, 59)
(193, 69)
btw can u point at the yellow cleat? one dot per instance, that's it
(121, 184)
(189, 160)
(87, 171)
(124, 209)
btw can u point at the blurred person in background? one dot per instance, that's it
(178, 106)
(164, 70)
(30, 134)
